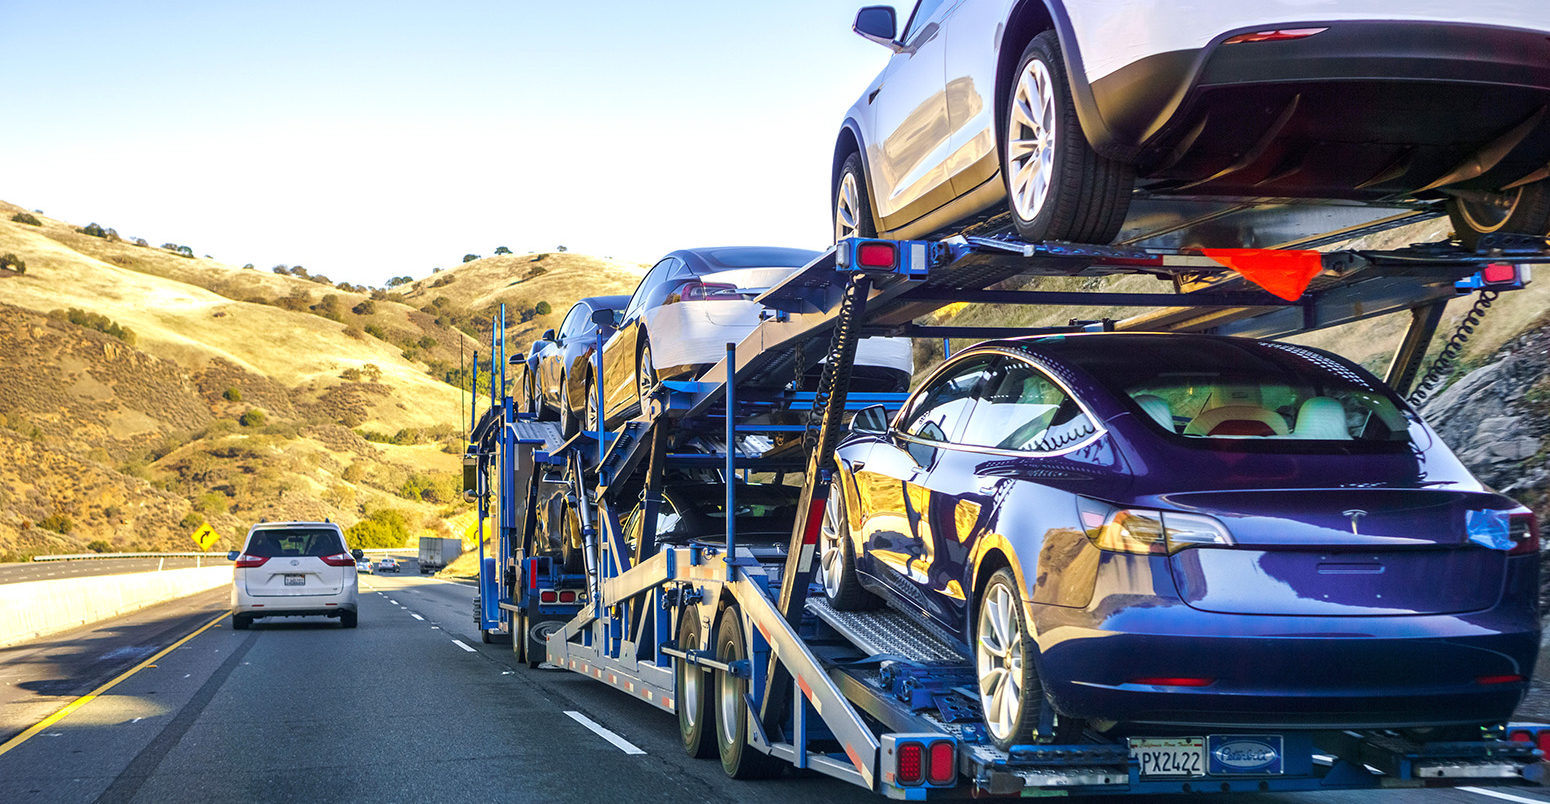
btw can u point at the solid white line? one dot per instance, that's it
(416, 616)
(1503, 796)
(459, 643)
(618, 742)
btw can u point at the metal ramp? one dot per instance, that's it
(885, 632)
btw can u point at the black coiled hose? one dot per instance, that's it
(1449, 355)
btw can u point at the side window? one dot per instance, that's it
(938, 409)
(652, 278)
(920, 18)
(665, 281)
(1023, 409)
(571, 326)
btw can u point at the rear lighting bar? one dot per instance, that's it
(1510, 678)
(1148, 532)
(1171, 681)
(339, 560)
(246, 560)
(920, 760)
(695, 290)
(1523, 531)
(1279, 35)
(1538, 735)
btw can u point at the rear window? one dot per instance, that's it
(756, 257)
(288, 542)
(762, 510)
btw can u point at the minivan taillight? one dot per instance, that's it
(339, 560)
(1523, 530)
(246, 560)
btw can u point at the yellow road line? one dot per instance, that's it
(87, 698)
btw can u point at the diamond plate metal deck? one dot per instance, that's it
(546, 433)
(885, 631)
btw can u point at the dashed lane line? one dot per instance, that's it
(1500, 795)
(459, 643)
(593, 726)
(416, 616)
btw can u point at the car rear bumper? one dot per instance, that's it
(1303, 672)
(293, 605)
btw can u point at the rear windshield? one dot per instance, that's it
(1210, 389)
(756, 257)
(284, 542)
(697, 513)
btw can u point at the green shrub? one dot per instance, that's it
(232, 394)
(58, 523)
(502, 250)
(376, 332)
(350, 375)
(212, 502)
(371, 371)
(470, 257)
(399, 280)
(366, 307)
(93, 230)
(252, 418)
(383, 527)
(27, 218)
(542, 308)
(13, 262)
(191, 520)
(426, 342)
(95, 321)
(99, 546)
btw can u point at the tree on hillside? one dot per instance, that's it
(12, 262)
(184, 251)
(249, 267)
(93, 230)
(502, 250)
(399, 280)
(297, 270)
(366, 307)
(26, 217)
(542, 308)
(283, 270)
(470, 257)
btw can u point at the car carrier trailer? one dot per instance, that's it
(728, 636)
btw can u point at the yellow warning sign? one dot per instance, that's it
(205, 536)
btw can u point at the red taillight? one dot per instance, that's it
(339, 560)
(246, 560)
(1523, 530)
(911, 764)
(1280, 35)
(695, 290)
(877, 255)
(1542, 741)
(1170, 681)
(567, 597)
(1502, 679)
(1522, 736)
(942, 763)
(547, 596)
(1497, 273)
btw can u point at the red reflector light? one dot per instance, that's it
(246, 560)
(1523, 530)
(1274, 36)
(567, 597)
(1499, 272)
(941, 765)
(1542, 742)
(1521, 737)
(1502, 679)
(814, 521)
(339, 560)
(1164, 681)
(547, 597)
(911, 764)
(877, 255)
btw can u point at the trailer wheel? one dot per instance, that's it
(837, 558)
(537, 635)
(519, 637)
(1010, 692)
(738, 758)
(691, 690)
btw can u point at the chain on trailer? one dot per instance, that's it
(721, 629)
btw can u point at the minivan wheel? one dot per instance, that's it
(1521, 210)
(1010, 692)
(852, 210)
(240, 622)
(1057, 186)
(347, 619)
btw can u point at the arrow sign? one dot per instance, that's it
(205, 536)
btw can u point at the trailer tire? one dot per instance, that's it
(519, 637)
(738, 758)
(537, 635)
(692, 691)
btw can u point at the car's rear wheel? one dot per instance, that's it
(1011, 694)
(739, 759)
(645, 374)
(589, 406)
(1058, 187)
(240, 622)
(570, 423)
(348, 619)
(837, 558)
(692, 688)
(1521, 210)
(572, 549)
(852, 209)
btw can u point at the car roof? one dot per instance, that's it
(726, 258)
(605, 302)
(297, 524)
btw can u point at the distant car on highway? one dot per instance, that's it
(1059, 109)
(294, 569)
(363, 566)
(694, 302)
(558, 363)
(388, 564)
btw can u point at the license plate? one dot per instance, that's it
(1245, 754)
(1170, 756)
(295, 580)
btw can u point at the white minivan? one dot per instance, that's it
(294, 569)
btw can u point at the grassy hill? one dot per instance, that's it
(147, 391)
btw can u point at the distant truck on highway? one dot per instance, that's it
(437, 552)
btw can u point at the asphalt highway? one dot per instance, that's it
(410, 706)
(49, 570)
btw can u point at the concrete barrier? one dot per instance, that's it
(40, 608)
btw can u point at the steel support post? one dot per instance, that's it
(1406, 362)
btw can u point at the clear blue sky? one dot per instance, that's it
(369, 139)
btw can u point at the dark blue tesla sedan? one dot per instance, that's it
(1160, 532)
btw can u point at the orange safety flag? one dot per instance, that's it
(1283, 272)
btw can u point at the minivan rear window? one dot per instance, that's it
(286, 542)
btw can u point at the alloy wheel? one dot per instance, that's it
(1486, 212)
(998, 654)
(590, 406)
(1031, 140)
(847, 208)
(831, 556)
(645, 376)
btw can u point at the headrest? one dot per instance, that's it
(1237, 420)
(1323, 418)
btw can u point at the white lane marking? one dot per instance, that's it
(459, 643)
(416, 616)
(394, 602)
(618, 742)
(1503, 796)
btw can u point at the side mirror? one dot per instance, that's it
(358, 554)
(877, 24)
(232, 555)
(605, 318)
(547, 336)
(872, 420)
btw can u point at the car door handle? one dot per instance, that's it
(856, 466)
(872, 96)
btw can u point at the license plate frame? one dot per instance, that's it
(1246, 755)
(295, 580)
(1170, 757)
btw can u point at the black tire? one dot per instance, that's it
(519, 638)
(859, 205)
(1525, 210)
(536, 636)
(349, 619)
(1088, 195)
(240, 622)
(694, 706)
(738, 759)
(645, 374)
(1024, 714)
(590, 415)
(844, 591)
(485, 637)
(570, 424)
